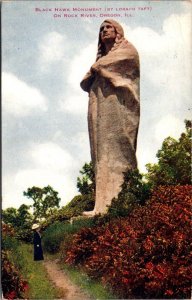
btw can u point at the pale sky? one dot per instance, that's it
(44, 111)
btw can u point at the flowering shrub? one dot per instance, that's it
(12, 283)
(7, 230)
(147, 254)
(9, 241)
(81, 251)
(58, 232)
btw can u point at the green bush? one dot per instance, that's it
(174, 161)
(25, 234)
(80, 203)
(10, 243)
(134, 192)
(74, 208)
(58, 232)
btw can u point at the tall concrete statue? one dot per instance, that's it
(113, 114)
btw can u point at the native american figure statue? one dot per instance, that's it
(113, 113)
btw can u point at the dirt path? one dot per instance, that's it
(62, 281)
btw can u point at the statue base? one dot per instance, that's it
(89, 214)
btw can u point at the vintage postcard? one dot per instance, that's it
(47, 47)
(50, 127)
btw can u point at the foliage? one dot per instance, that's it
(86, 183)
(25, 220)
(13, 285)
(20, 219)
(134, 191)
(53, 236)
(94, 288)
(79, 204)
(17, 217)
(174, 161)
(40, 286)
(23, 216)
(9, 216)
(58, 232)
(74, 208)
(9, 242)
(147, 254)
(7, 230)
(45, 200)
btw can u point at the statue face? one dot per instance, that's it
(107, 32)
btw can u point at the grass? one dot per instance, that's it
(93, 288)
(53, 237)
(35, 273)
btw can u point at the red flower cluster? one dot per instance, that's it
(7, 230)
(146, 255)
(12, 283)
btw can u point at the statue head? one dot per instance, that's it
(115, 32)
(107, 33)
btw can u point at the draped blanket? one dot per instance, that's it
(113, 119)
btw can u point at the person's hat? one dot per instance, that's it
(35, 226)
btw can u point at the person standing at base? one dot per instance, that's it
(38, 251)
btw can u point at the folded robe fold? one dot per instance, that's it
(113, 119)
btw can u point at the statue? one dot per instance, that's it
(113, 112)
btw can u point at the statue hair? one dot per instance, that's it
(118, 40)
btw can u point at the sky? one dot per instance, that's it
(47, 47)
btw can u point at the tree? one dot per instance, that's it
(17, 217)
(86, 184)
(9, 216)
(134, 191)
(20, 219)
(174, 159)
(45, 200)
(23, 215)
